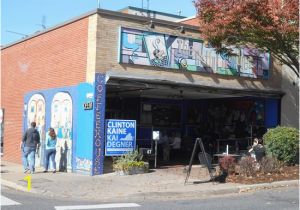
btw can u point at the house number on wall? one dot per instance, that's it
(88, 105)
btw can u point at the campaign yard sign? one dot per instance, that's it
(120, 137)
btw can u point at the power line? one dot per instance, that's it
(13, 32)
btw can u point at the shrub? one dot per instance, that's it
(248, 166)
(128, 162)
(283, 144)
(270, 165)
(227, 164)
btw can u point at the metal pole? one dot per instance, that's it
(250, 134)
(155, 160)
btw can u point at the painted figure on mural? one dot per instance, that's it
(50, 150)
(36, 113)
(30, 145)
(159, 53)
(61, 121)
(67, 115)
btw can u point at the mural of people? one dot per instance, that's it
(36, 113)
(157, 50)
(163, 50)
(61, 121)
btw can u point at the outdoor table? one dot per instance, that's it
(236, 156)
(236, 140)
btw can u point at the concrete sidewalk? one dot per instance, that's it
(167, 183)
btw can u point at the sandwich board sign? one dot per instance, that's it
(120, 137)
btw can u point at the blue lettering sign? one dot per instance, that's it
(99, 117)
(120, 137)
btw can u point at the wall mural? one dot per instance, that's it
(83, 164)
(168, 51)
(36, 113)
(61, 121)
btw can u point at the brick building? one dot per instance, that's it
(46, 60)
(157, 72)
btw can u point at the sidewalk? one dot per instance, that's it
(164, 184)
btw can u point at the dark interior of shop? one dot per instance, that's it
(218, 119)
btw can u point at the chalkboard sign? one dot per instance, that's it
(206, 162)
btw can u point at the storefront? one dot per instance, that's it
(179, 106)
(187, 113)
(163, 78)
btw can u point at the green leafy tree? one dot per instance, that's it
(271, 25)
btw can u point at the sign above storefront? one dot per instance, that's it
(168, 51)
(120, 137)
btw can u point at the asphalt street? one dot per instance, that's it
(276, 199)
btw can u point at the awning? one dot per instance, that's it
(135, 85)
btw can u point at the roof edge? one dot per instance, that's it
(104, 12)
(158, 12)
(51, 28)
(145, 19)
(185, 19)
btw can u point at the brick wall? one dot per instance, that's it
(53, 59)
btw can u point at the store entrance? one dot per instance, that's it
(181, 115)
(165, 116)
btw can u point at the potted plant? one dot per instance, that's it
(130, 163)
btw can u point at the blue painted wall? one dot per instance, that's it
(82, 128)
(271, 113)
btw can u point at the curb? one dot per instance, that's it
(268, 185)
(213, 192)
(166, 195)
(19, 187)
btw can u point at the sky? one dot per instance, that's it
(27, 16)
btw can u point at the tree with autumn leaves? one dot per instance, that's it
(271, 25)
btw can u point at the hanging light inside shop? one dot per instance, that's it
(181, 94)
